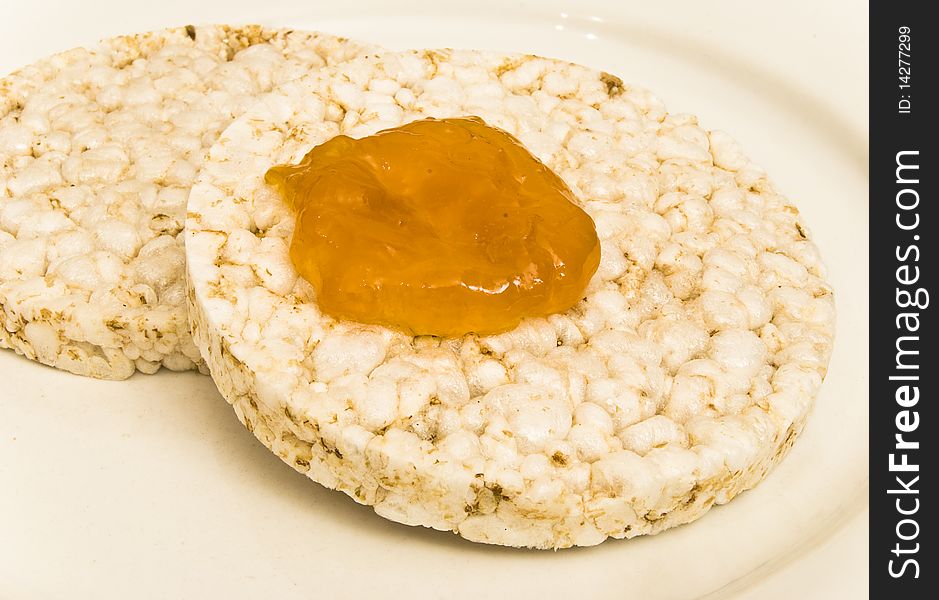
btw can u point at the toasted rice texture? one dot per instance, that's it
(683, 376)
(98, 150)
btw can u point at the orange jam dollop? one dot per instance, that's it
(438, 227)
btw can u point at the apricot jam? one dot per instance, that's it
(438, 227)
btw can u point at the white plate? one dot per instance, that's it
(150, 488)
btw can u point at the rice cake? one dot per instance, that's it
(98, 149)
(682, 377)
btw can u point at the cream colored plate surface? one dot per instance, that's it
(150, 488)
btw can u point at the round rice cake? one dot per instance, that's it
(98, 149)
(682, 377)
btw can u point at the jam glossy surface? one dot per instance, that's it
(438, 227)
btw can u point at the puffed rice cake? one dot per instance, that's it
(684, 375)
(98, 149)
